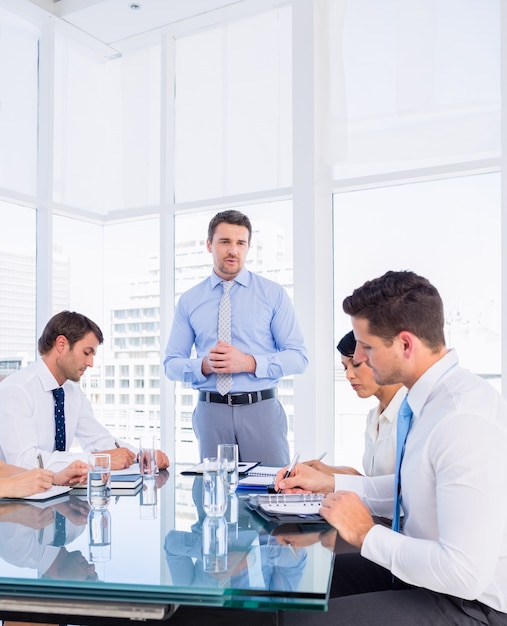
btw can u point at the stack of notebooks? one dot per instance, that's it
(126, 482)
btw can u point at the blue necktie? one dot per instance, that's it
(60, 533)
(59, 395)
(402, 428)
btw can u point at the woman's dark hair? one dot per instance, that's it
(229, 217)
(347, 344)
(73, 326)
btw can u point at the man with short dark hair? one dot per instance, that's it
(448, 565)
(243, 349)
(33, 430)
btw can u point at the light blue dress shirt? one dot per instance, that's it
(263, 324)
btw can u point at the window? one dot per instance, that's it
(461, 218)
(233, 110)
(18, 122)
(435, 71)
(17, 285)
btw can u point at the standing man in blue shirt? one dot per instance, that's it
(266, 344)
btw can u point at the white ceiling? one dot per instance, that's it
(114, 21)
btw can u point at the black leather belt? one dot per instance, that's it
(237, 399)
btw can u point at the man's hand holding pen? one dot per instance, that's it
(121, 458)
(303, 479)
(288, 471)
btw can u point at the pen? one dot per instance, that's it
(293, 551)
(322, 456)
(40, 461)
(116, 443)
(290, 468)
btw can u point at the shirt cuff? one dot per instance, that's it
(194, 375)
(261, 366)
(380, 545)
(348, 482)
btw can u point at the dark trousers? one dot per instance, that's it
(363, 593)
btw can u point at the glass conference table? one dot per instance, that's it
(144, 555)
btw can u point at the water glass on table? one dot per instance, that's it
(147, 464)
(99, 526)
(214, 545)
(148, 498)
(99, 480)
(229, 452)
(214, 486)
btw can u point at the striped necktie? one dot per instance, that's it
(402, 427)
(59, 395)
(224, 381)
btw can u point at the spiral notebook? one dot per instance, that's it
(260, 477)
(243, 468)
(296, 507)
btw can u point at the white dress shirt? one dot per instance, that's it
(379, 455)
(454, 488)
(26, 547)
(27, 423)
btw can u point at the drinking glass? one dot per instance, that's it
(229, 452)
(214, 486)
(99, 526)
(214, 545)
(147, 465)
(99, 480)
(148, 498)
(232, 515)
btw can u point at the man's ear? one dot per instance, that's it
(60, 343)
(407, 340)
(208, 245)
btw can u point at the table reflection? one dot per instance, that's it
(256, 559)
(35, 536)
(121, 552)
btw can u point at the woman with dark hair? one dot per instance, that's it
(380, 434)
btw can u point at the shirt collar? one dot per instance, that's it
(47, 379)
(243, 278)
(420, 392)
(391, 411)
